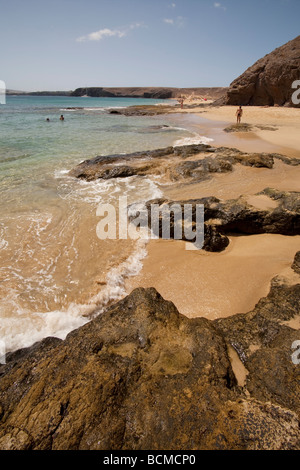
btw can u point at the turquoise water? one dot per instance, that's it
(30, 147)
(53, 268)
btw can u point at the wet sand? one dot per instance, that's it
(214, 285)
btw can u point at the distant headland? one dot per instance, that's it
(210, 93)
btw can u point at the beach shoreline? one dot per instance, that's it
(286, 123)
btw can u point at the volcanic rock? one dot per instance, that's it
(143, 376)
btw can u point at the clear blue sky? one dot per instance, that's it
(65, 44)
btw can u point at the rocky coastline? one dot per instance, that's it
(141, 375)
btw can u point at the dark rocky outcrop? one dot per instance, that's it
(142, 376)
(244, 127)
(269, 81)
(97, 167)
(177, 162)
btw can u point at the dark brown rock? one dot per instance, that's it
(296, 264)
(244, 127)
(269, 81)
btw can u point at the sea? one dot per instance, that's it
(54, 270)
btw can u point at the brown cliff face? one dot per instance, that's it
(269, 81)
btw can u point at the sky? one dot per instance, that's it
(66, 44)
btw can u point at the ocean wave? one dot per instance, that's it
(196, 140)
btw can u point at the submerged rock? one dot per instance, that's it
(190, 162)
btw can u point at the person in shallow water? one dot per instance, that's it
(239, 115)
(48, 120)
(62, 117)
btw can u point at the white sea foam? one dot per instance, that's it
(94, 109)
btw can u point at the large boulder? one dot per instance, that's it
(269, 81)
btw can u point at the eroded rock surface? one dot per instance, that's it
(222, 218)
(142, 376)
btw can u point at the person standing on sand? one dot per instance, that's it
(239, 115)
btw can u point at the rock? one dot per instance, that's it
(263, 341)
(239, 128)
(214, 241)
(296, 264)
(200, 169)
(244, 127)
(140, 376)
(269, 81)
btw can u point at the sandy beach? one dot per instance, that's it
(214, 285)
(285, 121)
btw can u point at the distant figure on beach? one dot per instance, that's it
(181, 103)
(48, 120)
(239, 115)
(62, 117)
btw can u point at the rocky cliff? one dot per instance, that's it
(269, 81)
